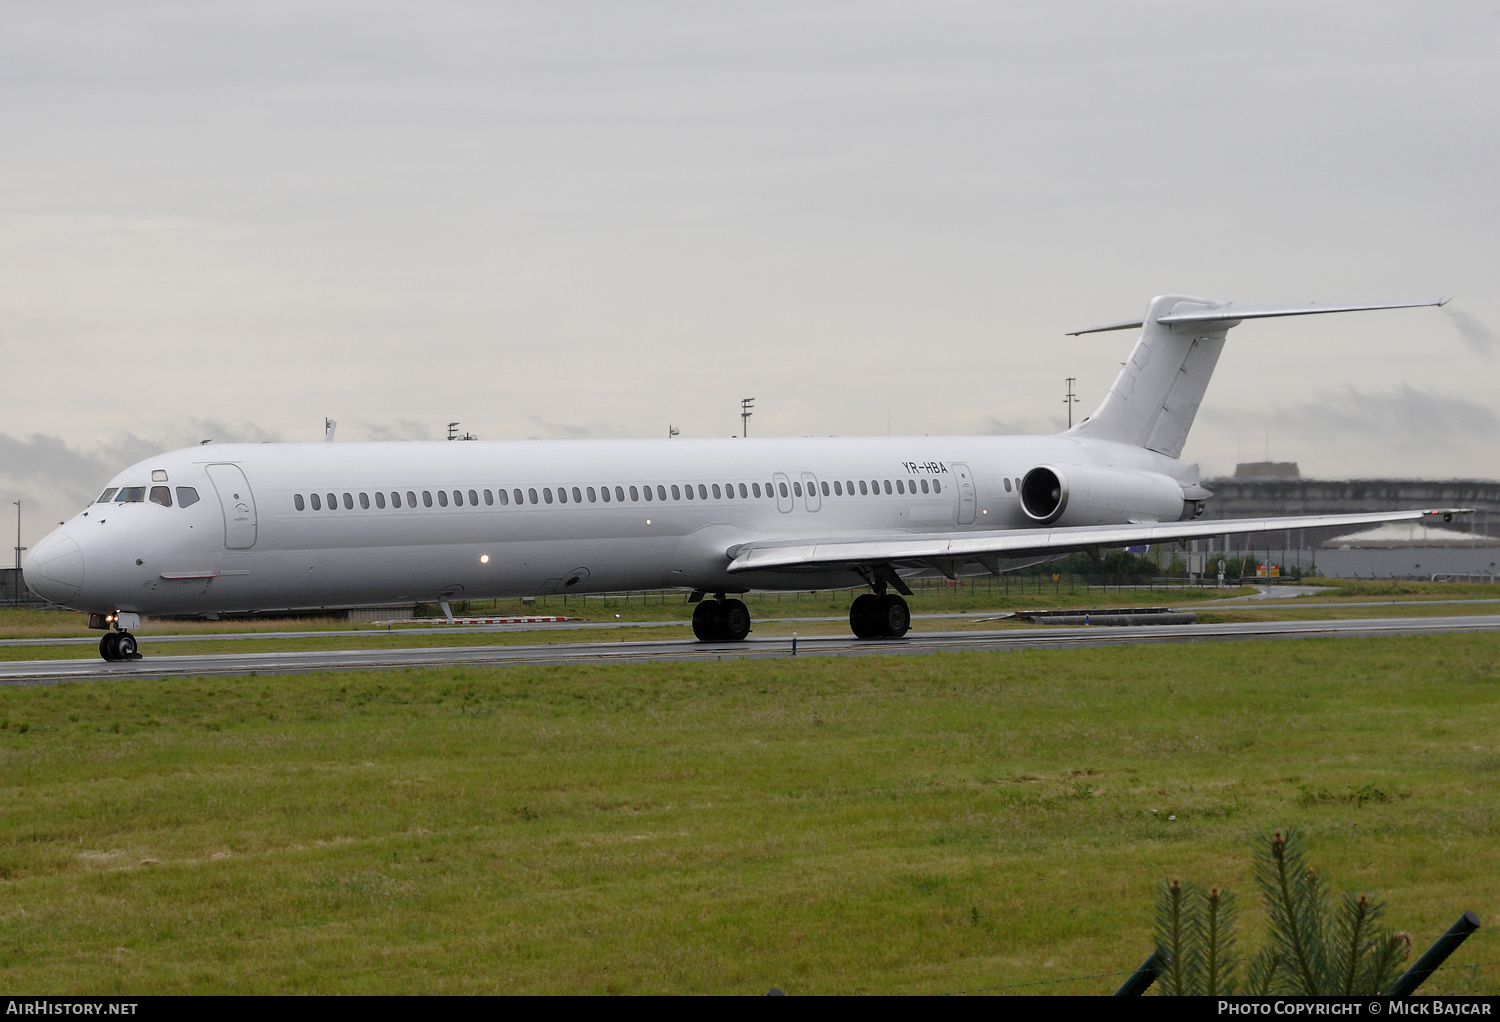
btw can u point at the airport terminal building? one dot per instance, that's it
(1470, 546)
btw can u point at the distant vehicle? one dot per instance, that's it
(268, 527)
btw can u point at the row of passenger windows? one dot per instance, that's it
(619, 494)
(186, 495)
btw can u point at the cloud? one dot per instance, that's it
(991, 426)
(401, 429)
(1405, 418)
(548, 430)
(54, 479)
(1479, 338)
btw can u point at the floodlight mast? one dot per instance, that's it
(746, 403)
(19, 549)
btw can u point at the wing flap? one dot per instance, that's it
(972, 546)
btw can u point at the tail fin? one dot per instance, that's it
(1155, 398)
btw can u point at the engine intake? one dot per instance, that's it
(1044, 494)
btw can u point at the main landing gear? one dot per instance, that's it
(117, 644)
(721, 620)
(879, 616)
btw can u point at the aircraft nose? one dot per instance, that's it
(54, 569)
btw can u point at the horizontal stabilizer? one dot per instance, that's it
(1237, 311)
(972, 546)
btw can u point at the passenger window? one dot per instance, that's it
(603, 492)
(825, 489)
(333, 502)
(887, 486)
(364, 501)
(547, 494)
(661, 492)
(744, 492)
(517, 495)
(411, 498)
(593, 497)
(620, 493)
(757, 488)
(427, 498)
(562, 494)
(784, 490)
(104, 497)
(380, 500)
(1007, 486)
(796, 488)
(458, 498)
(442, 498)
(702, 491)
(677, 494)
(316, 503)
(717, 495)
(395, 498)
(900, 485)
(474, 498)
(838, 488)
(348, 502)
(633, 494)
(936, 487)
(504, 497)
(577, 496)
(298, 502)
(649, 494)
(864, 491)
(489, 498)
(924, 485)
(161, 495)
(850, 487)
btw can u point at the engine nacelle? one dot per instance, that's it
(1091, 495)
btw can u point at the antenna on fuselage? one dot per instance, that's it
(672, 431)
(328, 427)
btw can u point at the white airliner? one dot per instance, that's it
(265, 527)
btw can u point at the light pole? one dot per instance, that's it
(746, 403)
(1071, 399)
(19, 548)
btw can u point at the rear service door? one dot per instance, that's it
(966, 496)
(237, 503)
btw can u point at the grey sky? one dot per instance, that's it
(561, 219)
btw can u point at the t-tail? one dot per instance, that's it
(1155, 398)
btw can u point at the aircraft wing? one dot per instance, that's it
(949, 548)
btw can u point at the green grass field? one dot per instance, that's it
(883, 824)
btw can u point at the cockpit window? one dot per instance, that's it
(104, 497)
(130, 495)
(161, 495)
(186, 496)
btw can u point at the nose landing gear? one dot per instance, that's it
(119, 644)
(721, 620)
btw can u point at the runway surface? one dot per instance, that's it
(47, 671)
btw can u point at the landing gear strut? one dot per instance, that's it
(721, 620)
(882, 616)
